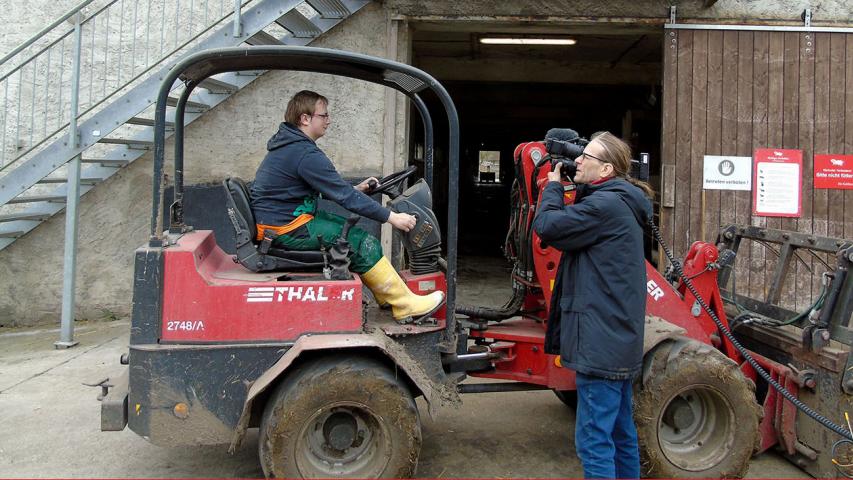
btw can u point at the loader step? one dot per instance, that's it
(15, 234)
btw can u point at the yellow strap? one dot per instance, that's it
(282, 229)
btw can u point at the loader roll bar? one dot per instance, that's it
(401, 77)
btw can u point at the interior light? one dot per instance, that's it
(527, 41)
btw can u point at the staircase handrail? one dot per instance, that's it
(93, 103)
(45, 31)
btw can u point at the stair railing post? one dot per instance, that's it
(238, 20)
(69, 274)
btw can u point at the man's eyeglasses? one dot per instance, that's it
(585, 155)
(324, 115)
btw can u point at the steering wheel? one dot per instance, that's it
(391, 184)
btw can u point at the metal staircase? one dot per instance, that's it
(100, 80)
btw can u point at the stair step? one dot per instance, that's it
(15, 234)
(38, 198)
(213, 85)
(147, 122)
(298, 25)
(107, 162)
(131, 143)
(173, 101)
(13, 217)
(263, 38)
(83, 181)
(330, 8)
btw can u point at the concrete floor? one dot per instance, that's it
(50, 419)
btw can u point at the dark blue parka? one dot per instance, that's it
(599, 301)
(292, 174)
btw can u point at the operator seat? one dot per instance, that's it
(261, 256)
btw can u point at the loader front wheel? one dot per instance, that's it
(696, 414)
(335, 417)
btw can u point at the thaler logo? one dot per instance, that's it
(778, 154)
(654, 290)
(837, 162)
(291, 294)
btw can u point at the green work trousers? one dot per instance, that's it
(365, 249)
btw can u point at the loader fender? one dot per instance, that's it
(437, 394)
(658, 330)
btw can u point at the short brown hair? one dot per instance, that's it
(618, 154)
(302, 103)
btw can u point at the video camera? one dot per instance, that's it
(563, 146)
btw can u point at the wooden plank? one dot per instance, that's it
(775, 102)
(743, 201)
(805, 222)
(790, 136)
(714, 121)
(822, 106)
(728, 127)
(760, 97)
(836, 128)
(848, 131)
(682, 147)
(699, 101)
(668, 133)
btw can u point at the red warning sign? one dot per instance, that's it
(833, 171)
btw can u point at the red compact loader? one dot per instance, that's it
(286, 341)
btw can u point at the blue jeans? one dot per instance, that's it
(605, 434)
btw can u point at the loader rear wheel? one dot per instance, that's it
(340, 417)
(696, 414)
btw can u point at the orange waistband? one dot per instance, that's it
(282, 229)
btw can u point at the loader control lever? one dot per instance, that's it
(339, 252)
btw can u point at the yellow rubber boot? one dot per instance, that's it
(387, 286)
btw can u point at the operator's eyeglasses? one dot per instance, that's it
(324, 115)
(585, 155)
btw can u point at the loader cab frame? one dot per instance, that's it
(404, 78)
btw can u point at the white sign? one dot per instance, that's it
(727, 173)
(778, 188)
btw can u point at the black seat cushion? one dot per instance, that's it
(242, 202)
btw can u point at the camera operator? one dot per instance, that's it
(598, 305)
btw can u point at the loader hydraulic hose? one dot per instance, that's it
(785, 393)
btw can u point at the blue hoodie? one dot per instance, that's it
(292, 174)
(598, 306)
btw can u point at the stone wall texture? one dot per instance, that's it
(230, 139)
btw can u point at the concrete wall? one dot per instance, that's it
(229, 140)
(628, 11)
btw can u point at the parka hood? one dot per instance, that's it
(632, 195)
(287, 134)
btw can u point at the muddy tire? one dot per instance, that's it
(340, 417)
(696, 414)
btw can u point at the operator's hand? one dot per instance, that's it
(402, 221)
(554, 176)
(364, 186)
